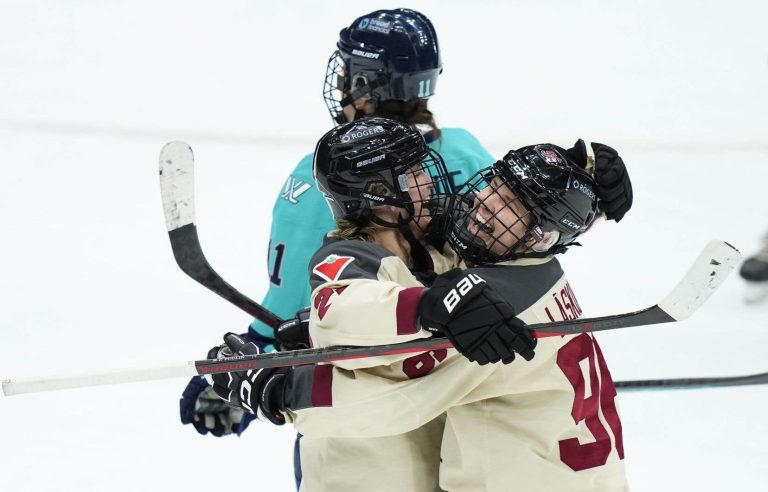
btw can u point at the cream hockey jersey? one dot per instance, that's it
(552, 420)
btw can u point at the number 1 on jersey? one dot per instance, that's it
(274, 269)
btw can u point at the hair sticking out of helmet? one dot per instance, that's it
(532, 203)
(380, 170)
(382, 56)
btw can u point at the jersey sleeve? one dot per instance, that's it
(300, 220)
(362, 295)
(329, 401)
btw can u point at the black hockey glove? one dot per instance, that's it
(479, 323)
(293, 334)
(614, 188)
(200, 406)
(259, 391)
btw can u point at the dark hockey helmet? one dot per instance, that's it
(532, 203)
(385, 55)
(374, 162)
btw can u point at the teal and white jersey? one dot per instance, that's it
(301, 218)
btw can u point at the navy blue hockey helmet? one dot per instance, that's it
(385, 55)
(532, 203)
(375, 162)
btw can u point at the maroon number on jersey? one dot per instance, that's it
(574, 454)
(422, 364)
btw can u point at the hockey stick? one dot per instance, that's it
(177, 185)
(177, 176)
(707, 273)
(691, 383)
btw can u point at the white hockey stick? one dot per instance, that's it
(708, 272)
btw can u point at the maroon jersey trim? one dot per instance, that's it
(407, 310)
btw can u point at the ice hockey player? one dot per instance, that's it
(443, 417)
(387, 63)
(394, 75)
(382, 182)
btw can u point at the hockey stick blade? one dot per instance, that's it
(177, 174)
(708, 272)
(691, 383)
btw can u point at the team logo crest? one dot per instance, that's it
(293, 189)
(330, 268)
(550, 156)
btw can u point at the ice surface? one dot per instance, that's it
(91, 92)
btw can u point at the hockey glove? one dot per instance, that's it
(259, 391)
(200, 406)
(479, 323)
(293, 334)
(614, 188)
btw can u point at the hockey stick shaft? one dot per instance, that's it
(177, 179)
(21, 386)
(708, 272)
(691, 383)
(177, 175)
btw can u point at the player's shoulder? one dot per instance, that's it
(457, 138)
(304, 167)
(457, 134)
(522, 282)
(343, 259)
(299, 198)
(357, 249)
(461, 145)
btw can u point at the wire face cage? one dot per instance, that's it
(491, 222)
(333, 88)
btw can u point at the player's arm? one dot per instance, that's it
(358, 298)
(328, 401)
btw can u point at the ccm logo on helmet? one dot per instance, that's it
(568, 222)
(365, 54)
(457, 240)
(358, 134)
(465, 285)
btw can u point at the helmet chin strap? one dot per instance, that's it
(391, 225)
(419, 254)
(402, 223)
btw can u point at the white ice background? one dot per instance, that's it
(90, 91)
